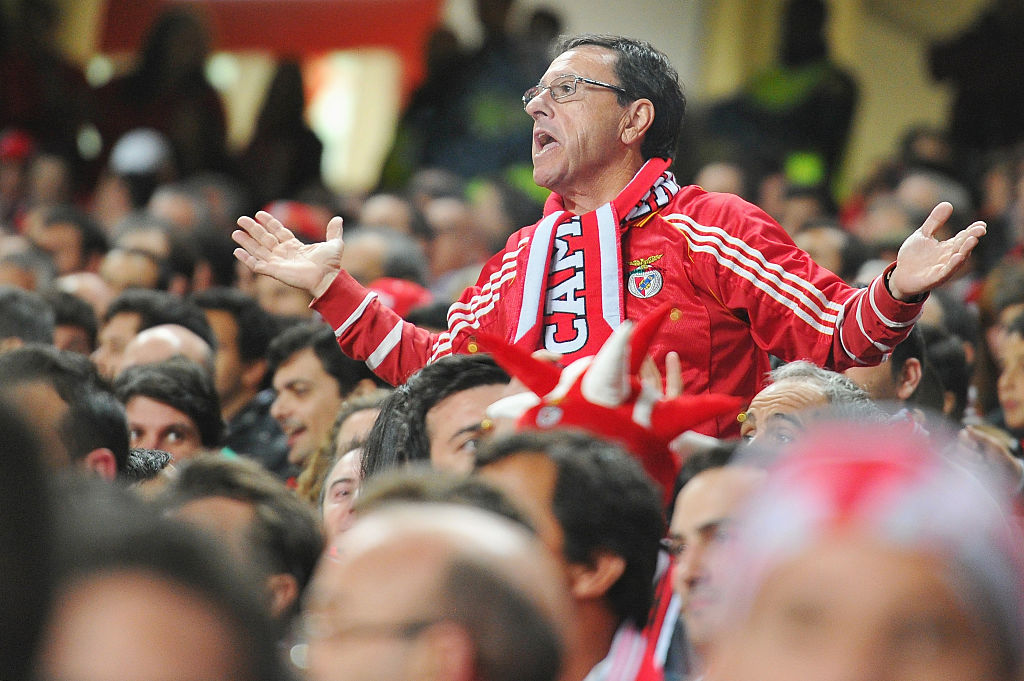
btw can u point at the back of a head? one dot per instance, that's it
(161, 551)
(25, 315)
(492, 579)
(399, 435)
(26, 540)
(67, 372)
(604, 501)
(285, 533)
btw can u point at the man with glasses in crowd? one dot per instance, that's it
(617, 238)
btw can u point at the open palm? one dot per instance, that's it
(268, 247)
(923, 262)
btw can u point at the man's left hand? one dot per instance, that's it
(924, 262)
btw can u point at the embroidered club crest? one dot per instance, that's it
(644, 281)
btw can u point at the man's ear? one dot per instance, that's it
(637, 119)
(910, 377)
(101, 461)
(593, 580)
(282, 589)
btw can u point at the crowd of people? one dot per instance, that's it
(715, 430)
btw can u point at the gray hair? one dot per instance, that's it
(844, 396)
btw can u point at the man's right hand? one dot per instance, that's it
(268, 247)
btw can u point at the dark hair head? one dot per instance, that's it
(319, 338)
(96, 420)
(26, 542)
(949, 361)
(399, 435)
(255, 327)
(67, 372)
(25, 315)
(285, 533)
(109, 533)
(159, 307)
(94, 240)
(514, 640)
(644, 73)
(603, 501)
(179, 383)
(70, 310)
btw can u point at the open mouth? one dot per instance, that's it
(543, 141)
(294, 434)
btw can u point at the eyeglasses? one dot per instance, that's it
(565, 86)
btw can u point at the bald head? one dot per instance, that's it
(450, 591)
(164, 341)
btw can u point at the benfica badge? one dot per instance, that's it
(644, 281)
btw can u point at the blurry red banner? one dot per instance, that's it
(290, 27)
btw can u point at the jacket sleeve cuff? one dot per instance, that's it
(893, 312)
(343, 302)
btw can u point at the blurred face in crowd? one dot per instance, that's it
(355, 428)
(850, 607)
(455, 427)
(307, 403)
(704, 510)
(112, 339)
(72, 338)
(174, 633)
(62, 242)
(1011, 381)
(155, 425)
(777, 414)
(236, 381)
(280, 299)
(996, 335)
(340, 488)
(130, 269)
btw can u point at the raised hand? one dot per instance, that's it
(924, 262)
(268, 247)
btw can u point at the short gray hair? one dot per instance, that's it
(843, 395)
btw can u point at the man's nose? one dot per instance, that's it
(541, 104)
(278, 408)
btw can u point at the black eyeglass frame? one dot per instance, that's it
(538, 89)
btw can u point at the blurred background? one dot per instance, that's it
(361, 61)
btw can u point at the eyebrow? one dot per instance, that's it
(789, 418)
(292, 384)
(472, 428)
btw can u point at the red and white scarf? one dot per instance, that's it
(573, 281)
